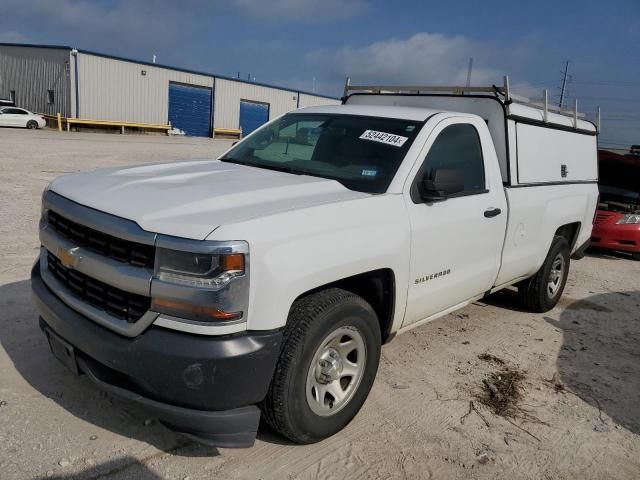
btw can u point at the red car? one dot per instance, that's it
(617, 222)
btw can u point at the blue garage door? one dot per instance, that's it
(252, 115)
(190, 109)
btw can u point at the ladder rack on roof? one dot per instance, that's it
(502, 92)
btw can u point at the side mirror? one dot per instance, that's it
(445, 182)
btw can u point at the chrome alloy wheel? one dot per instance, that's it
(336, 371)
(555, 276)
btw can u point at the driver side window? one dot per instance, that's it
(457, 150)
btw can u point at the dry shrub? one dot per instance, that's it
(502, 392)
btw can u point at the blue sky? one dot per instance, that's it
(291, 42)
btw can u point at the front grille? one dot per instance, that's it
(124, 305)
(601, 218)
(122, 250)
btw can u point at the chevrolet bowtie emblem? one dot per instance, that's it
(69, 257)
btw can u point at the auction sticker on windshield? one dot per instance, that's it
(382, 137)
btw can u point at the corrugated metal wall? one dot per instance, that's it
(112, 89)
(121, 89)
(229, 93)
(30, 72)
(307, 100)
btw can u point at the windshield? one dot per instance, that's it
(363, 153)
(615, 197)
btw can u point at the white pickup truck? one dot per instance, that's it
(266, 281)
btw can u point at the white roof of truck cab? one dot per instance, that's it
(386, 111)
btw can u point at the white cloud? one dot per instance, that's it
(423, 59)
(132, 20)
(301, 9)
(13, 37)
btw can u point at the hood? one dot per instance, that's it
(191, 199)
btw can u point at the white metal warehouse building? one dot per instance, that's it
(77, 83)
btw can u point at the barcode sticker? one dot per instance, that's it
(383, 137)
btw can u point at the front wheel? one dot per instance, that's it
(541, 292)
(328, 363)
(32, 125)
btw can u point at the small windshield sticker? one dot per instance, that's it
(369, 173)
(410, 128)
(382, 137)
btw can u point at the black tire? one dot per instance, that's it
(311, 319)
(636, 256)
(534, 292)
(32, 125)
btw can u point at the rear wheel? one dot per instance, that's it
(327, 366)
(541, 292)
(32, 124)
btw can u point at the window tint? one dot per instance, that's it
(457, 148)
(14, 111)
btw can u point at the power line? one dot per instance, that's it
(607, 83)
(621, 113)
(616, 144)
(608, 99)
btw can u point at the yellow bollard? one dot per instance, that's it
(59, 122)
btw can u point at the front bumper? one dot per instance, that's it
(613, 236)
(205, 387)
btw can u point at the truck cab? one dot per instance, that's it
(265, 282)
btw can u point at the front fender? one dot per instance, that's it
(297, 251)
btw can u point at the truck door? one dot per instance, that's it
(456, 240)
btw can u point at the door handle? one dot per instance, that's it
(492, 212)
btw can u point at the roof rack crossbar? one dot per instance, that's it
(503, 91)
(419, 88)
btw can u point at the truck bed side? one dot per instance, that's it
(535, 215)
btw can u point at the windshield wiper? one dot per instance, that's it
(277, 168)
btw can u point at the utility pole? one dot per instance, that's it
(469, 72)
(564, 83)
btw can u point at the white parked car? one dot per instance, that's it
(19, 117)
(265, 282)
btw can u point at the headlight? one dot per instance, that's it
(208, 283)
(630, 218)
(44, 192)
(198, 270)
